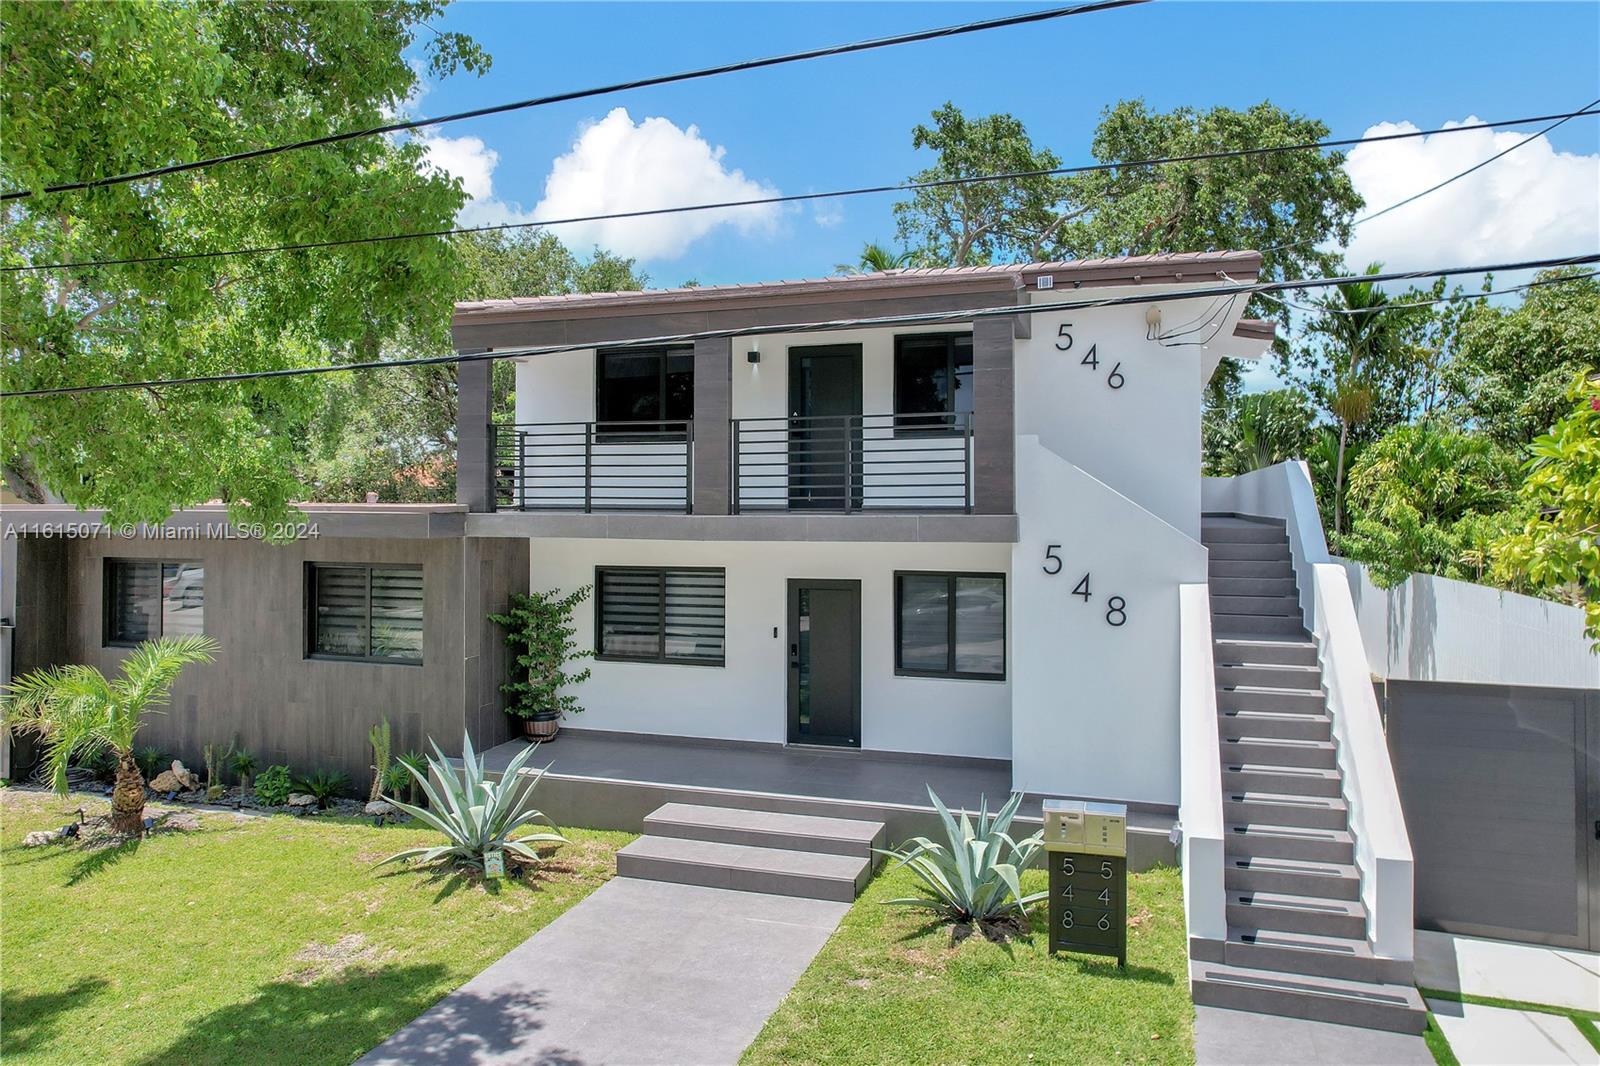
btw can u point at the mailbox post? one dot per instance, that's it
(1087, 846)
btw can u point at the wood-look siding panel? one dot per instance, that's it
(1493, 782)
(263, 689)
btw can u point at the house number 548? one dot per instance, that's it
(1116, 606)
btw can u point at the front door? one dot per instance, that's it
(825, 662)
(825, 427)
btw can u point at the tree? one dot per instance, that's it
(393, 432)
(981, 222)
(1428, 499)
(103, 89)
(1290, 206)
(1558, 547)
(76, 711)
(1511, 368)
(875, 258)
(1264, 428)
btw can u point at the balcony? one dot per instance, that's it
(825, 464)
(593, 466)
(852, 463)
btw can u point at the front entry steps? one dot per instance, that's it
(1297, 930)
(754, 851)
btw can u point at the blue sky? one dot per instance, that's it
(846, 121)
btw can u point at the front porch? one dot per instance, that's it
(605, 780)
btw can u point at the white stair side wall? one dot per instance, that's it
(1200, 812)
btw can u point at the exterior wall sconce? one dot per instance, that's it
(752, 356)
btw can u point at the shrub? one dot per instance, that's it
(325, 785)
(379, 738)
(410, 766)
(151, 761)
(272, 786)
(244, 764)
(539, 626)
(475, 814)
(973, 875)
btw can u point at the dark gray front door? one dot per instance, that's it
(825, 427)
(825, 662)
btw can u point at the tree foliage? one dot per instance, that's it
(1429, 499)
(1260, 430)
(393, 432)
(204, 79)
(1557, 549)
(1512, 367)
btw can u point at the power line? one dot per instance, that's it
(1455, 177)
(803, 327)
(583, 94)
(800, 197)
(1317, 309)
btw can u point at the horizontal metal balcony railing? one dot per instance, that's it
(593, 466)
(853, 463)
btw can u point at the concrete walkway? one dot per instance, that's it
(640, 972)
(1497, 969)
(1494, 1036)
(1243, 1038)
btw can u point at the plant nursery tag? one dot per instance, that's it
(494, 864)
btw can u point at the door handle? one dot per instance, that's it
(794, 656)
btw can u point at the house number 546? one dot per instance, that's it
(1116, 606)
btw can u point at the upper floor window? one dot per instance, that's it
(645, 385)
(932, 382)
(660, 615)
(146, 599)
(372, 613)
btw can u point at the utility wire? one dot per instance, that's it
(1025, 19)
(1586, 109)
(805, 327)
(796, 197)
(1317, 309)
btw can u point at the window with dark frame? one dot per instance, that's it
(932, 382)
(950, 625)
(364, 613)
(644, 385)
(146, 599)
(661, 615)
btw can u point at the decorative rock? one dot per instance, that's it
(379, 809)
(43, 836)
(187, 781)
(166, 781)
(300, 799)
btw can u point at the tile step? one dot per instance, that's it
(744, 868)
(1393, 1007)
(766, 829)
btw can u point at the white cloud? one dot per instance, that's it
(474, 162)
(1533, 203)
(619, 165)
(828, 214)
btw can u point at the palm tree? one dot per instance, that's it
(875, 258)
(75, 710)
(1357, 324)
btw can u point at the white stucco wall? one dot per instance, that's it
(1094, 705)
(747, 698)
(1142, 439)
(1436, 629)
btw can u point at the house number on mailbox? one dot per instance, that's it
(1116, 606)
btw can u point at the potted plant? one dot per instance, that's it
(539, 627)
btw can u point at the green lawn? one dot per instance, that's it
(889, 988)
(252, 940)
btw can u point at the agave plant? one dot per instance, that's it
(973, 876)
(474, 813)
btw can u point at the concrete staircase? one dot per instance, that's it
(754, 851)
(1297, 941)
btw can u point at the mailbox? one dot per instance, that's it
(1087, 848)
